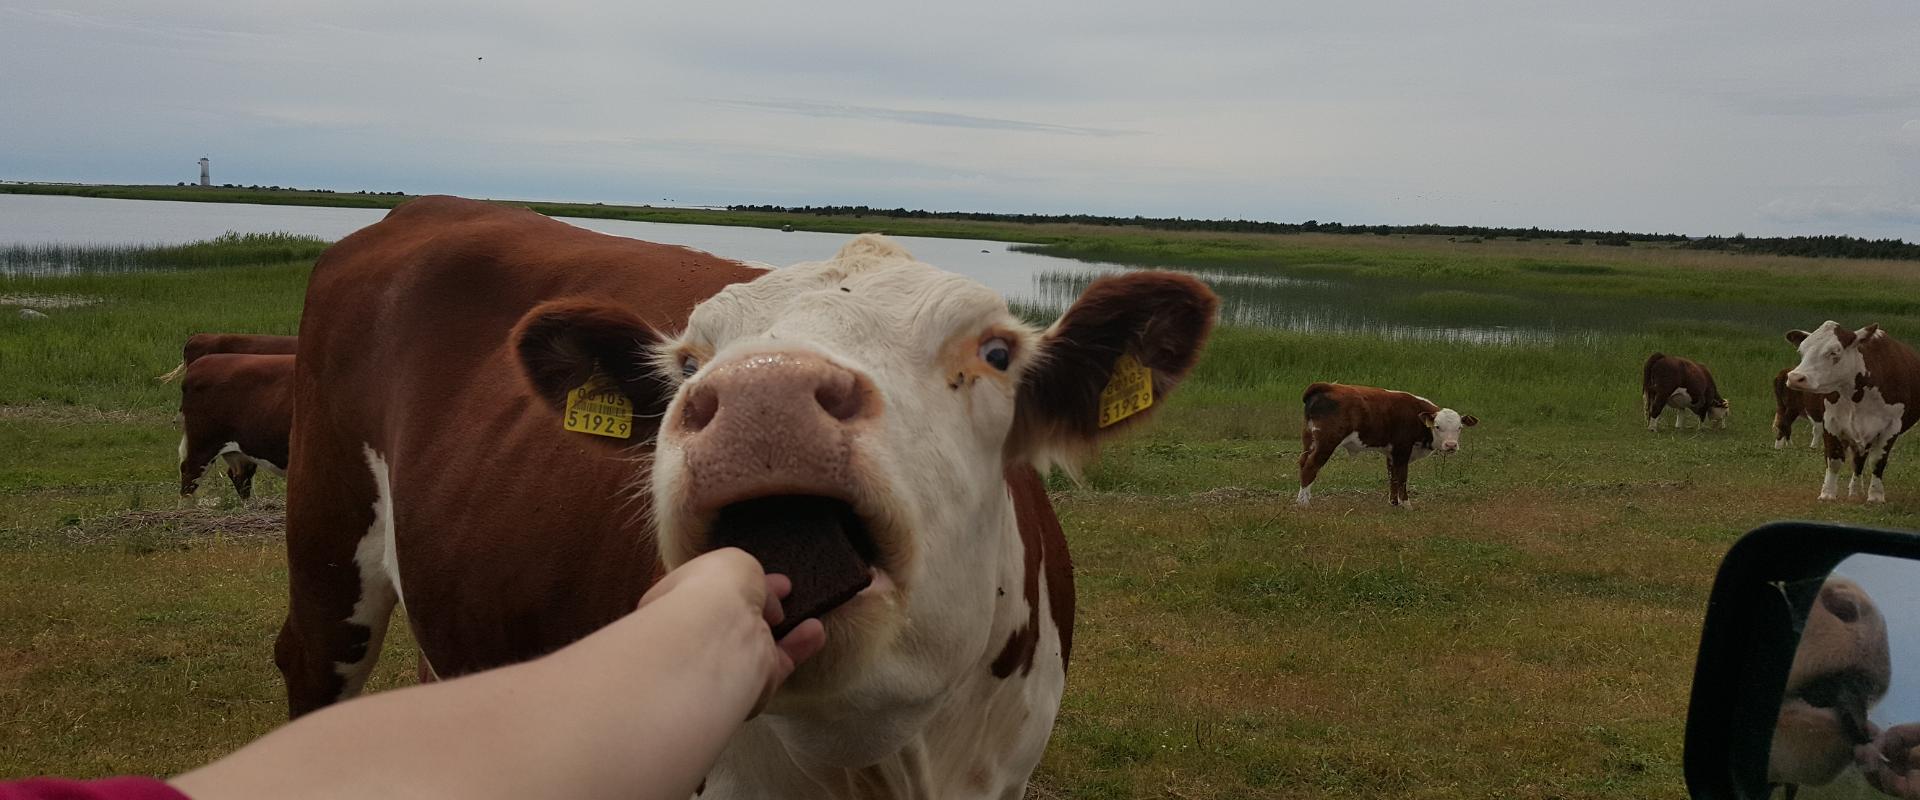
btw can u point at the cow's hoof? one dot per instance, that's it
(1779, 444)
(1827, 496)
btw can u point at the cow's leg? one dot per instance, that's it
(195, 454)
(1312, 458)
(1782, 427)
(240, 471)
(1397, 460)
(1819, 430)
(1877, 492)
(1654, 405)
(1860, 453)
(341, 595)
(1836, 461)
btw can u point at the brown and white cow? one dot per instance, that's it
(1789, 406)
(1405, 426)
(206, 344)
(875, 405)
(1875, 380)
(1841, 668)
(238, 408)
(1684, 385)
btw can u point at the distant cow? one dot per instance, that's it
(1789, 405)
(1357, 418)
(1875, 381)
(238, 408)
(1840, 670)
(206, 344)
(1684, 385)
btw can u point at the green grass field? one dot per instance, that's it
(1525, 629)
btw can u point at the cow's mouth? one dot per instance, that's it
(822, 544)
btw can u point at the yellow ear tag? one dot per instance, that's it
(599, 407)
(1128, 392)
(1428, 421)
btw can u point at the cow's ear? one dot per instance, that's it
(1108, 363)
(1869, 332)
(562, 343)
(1427, 418)
(1469, 420)
(1795, 337)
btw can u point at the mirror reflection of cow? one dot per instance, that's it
(1874, 381)
(1840, 670)
(876, 399)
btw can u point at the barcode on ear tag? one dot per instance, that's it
(1128, 392)
(599, 407)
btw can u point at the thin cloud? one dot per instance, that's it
(913, 117)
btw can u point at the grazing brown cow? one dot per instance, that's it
(1686, 386)
(1790, 405)
(1875, 383)
(1406, 426)
(238, 408)
(1840, 670)
(511, 427)
(206, 344)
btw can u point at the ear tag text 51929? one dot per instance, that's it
(1128, 392)
(599, 407)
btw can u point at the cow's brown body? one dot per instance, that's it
(235, 407)
(1365, 417)
(513, 536)
(1789, 406)
(206, 344)
(1685, 385)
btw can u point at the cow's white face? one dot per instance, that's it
(1830, 358)
(1447, 425)
(855, 417)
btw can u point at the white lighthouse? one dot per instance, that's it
(204, 179)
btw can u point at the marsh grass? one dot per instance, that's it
(1524, 630)
(228, 250)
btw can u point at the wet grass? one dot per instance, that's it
(1525, 629)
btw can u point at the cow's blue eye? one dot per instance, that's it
(998, 352)
(688, 366)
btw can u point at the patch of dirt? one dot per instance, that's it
(43, 302)
(264, 519)
(73, 415)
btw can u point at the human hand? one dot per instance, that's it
(730, 581)
(1891, 762)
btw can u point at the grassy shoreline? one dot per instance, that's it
(1526, 629)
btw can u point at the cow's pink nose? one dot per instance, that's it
(772, 423)
(1450, 447)
(1797, 380)
(782, 384)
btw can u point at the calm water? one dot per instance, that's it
(1392, 309)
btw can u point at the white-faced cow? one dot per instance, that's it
(1875, 380)
(1840, 670)
(238, 408)
(880, 415)
(1405, 426)
(206, 344)
(1789, 406)
(1686, 386)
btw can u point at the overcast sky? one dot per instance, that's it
(1701, 117)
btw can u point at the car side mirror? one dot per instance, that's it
(1808, 678)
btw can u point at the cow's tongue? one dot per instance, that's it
(808, 539)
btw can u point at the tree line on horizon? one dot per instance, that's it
(1815, 246)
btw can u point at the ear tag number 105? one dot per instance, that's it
(599, 407)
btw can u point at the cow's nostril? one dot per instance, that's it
(839, 394)
(701, 404)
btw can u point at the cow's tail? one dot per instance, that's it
(1316, 400)
(174, 375)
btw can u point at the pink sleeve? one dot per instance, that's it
(106, 789)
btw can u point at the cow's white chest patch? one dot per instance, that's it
(1870, 421)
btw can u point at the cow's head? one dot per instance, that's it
(1839, 672)
(1830, 357)
(1447, 424)
(869, 406)
(1717, 413)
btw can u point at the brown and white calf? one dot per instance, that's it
(1686, 386)
(206, 344)
(888, 415)
(1790, 405)
(1405, 426)
(1875, 383)
(238, 408)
